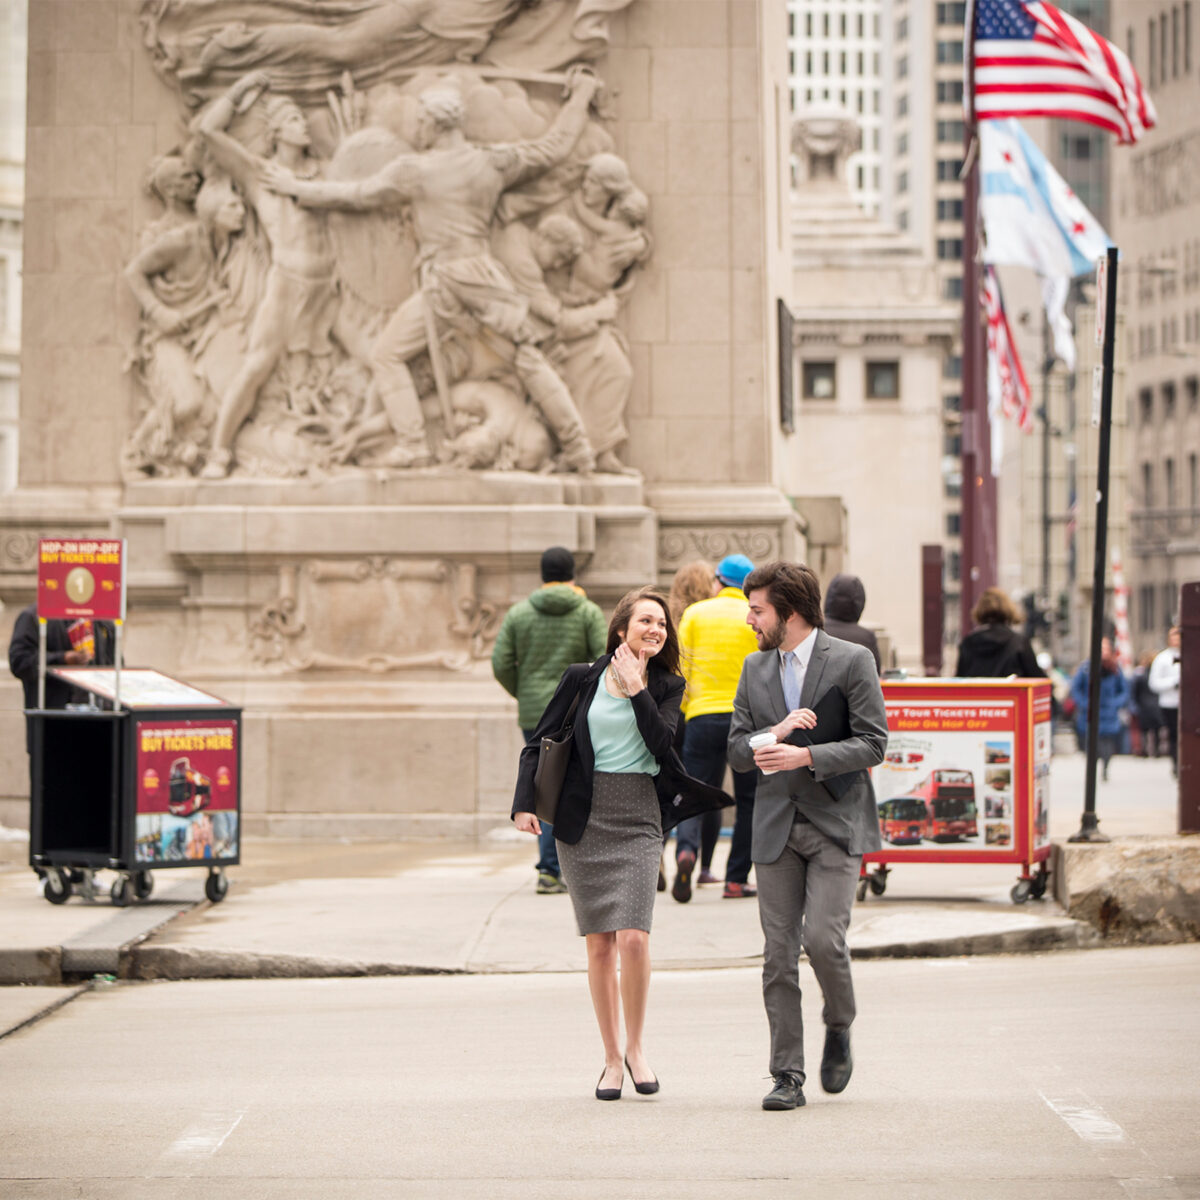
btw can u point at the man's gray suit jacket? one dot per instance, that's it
(852, 821)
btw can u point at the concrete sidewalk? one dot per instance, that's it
(306, 908)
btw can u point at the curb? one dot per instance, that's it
(170, 963)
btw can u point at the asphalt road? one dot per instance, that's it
(1071, 1075)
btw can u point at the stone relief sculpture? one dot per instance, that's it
(367, 261)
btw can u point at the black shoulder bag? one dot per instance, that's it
(553, 755)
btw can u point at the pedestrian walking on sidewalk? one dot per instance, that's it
(692, 582)
(845, 599)
(994, 649)
(817, 701)
(624, 784)
(1164, 679)
(1145, 707)
(1114, 704)
(714, 640)
(541, 636)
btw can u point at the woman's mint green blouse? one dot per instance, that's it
(616, 741)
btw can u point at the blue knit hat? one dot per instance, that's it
(733, 569)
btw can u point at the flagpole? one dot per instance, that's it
(977, 524)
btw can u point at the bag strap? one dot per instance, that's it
(568, 720)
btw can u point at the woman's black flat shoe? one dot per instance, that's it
(610, 1093)
(642, 1089)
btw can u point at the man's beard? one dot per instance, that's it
(772, 639)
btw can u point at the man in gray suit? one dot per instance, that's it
(814, 809)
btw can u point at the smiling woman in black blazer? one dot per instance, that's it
(624, 785)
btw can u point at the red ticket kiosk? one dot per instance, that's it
(965, 778)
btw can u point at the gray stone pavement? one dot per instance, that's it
(996, 1078)
(313, 908)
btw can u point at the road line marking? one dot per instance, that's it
(205, 1136)
(1091, 1123)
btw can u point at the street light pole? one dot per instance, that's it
(1089, 826)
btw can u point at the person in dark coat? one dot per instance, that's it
(624, 785)
(845, 599)
(995, 650)
(60, 652)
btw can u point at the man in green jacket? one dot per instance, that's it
(542, 635)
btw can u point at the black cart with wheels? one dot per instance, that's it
(151, 782)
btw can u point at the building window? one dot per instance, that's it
(1170, 597)
(902, 67)
(902, 145)
(949, 249)
(902, 183)
(953, 524)
(902, 106)
(952, 445)
(902, 29)
(1147, 485)
(1172, 497)
(952, 402)
(1150, 41)
(1129, 43)
(1187, 37)
(954, 566)
(952, 287)
(1191, 387)
(1174, 43)
(949, 91)
(1146, 604)
(952, 366)
(950, 131)
(949, 169)
(951, 14)
(1168, 393)
(1146, 405)
(1193, 485)
(902, 219)
(819, 380)
(883, 380)
(950, 52)
(949, 210)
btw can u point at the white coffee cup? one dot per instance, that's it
(758, 741)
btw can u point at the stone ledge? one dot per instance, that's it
(1133, 890)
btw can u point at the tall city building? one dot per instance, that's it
(921, 160)
(1155, 221)
(13, 42)
(834, 57)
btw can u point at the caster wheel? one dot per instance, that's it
(56, 887)
(215, 886)
(878, 884)
(122, 891)
(143, 884)
(1021, 891)
(860, 892)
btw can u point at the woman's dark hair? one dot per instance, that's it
(667, 659)
(994, 608)
(791, 588)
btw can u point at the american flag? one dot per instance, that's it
(1007, 386)
(1031, 60)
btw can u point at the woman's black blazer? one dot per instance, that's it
(656, 710)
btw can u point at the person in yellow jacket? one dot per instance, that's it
(714, 640)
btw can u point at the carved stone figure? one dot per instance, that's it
(207, 44)
(362, 256)
(176, 278)
(453, 188)
(299, 307)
